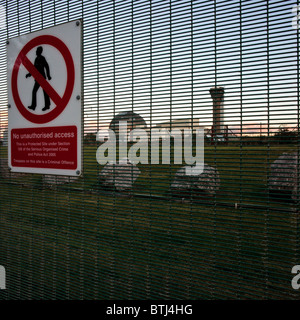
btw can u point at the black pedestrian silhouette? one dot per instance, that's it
(41, 65)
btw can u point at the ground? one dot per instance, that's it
(80, 242)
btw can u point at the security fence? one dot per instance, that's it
(142, 227)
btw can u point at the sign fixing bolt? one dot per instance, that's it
(7, 42)
(78, 97)
(78, 172)
(77, 23)
(8, 106)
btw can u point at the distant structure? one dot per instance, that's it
(134, 121)
(179, 124)
(219, 131)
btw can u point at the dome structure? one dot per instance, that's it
(133, 120)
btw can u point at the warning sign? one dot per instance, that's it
(39, 71)
(45, 113)
(51, 147)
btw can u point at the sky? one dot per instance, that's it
(160, 58)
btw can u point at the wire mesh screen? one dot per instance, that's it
(142, 227)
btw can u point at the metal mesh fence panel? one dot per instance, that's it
(146, 229)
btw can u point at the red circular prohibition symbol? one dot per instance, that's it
(60, 102)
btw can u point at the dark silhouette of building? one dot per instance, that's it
(134, 121)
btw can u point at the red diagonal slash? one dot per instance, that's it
(41, 80)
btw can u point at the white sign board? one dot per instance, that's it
(45, 101)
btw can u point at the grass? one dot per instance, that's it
(69, 243)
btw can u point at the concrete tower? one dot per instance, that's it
(217, 94)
